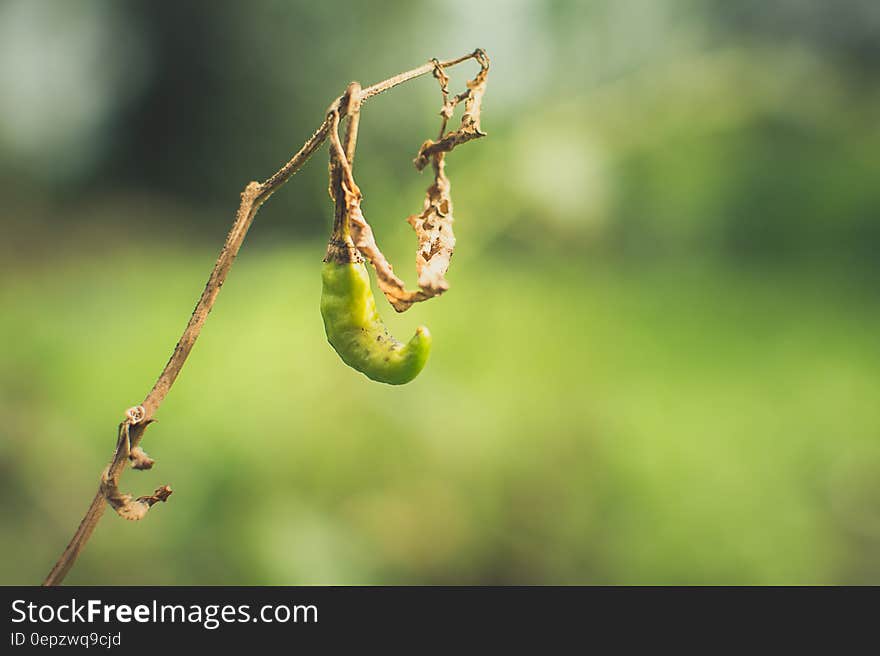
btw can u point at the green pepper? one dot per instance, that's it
(356, 331)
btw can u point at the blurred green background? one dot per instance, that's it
(658, 362)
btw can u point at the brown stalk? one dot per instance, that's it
(137, 418)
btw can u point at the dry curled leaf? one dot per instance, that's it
(126, 505)
(433, 226)
(470, 120)
(139, 459)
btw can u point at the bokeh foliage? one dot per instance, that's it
(658, 362)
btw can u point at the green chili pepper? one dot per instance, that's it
(357, 333)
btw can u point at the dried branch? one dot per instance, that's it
(132, 429)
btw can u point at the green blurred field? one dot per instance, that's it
(658, 362)
(693, 424)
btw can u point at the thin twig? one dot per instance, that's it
(131, 430)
